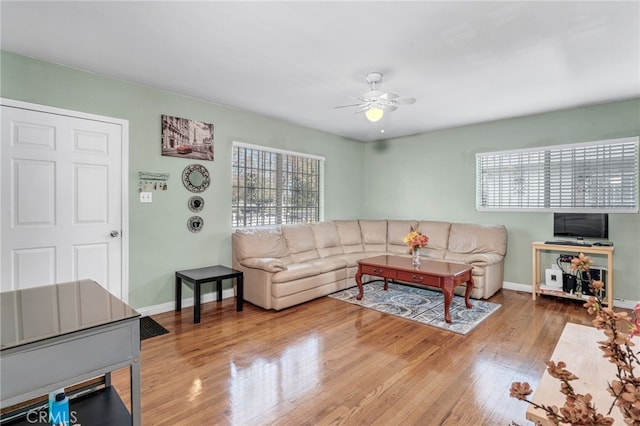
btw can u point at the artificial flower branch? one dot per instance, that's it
(619, 329)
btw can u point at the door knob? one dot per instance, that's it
(114, 234)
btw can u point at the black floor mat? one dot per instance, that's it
(150, 328)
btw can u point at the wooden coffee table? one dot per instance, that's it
(444, 275)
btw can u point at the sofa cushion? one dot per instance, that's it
(296, 271)
(327, 239)
(396, 231)
(350, 236)
(438, 233)
(374, 235)
(474, 238)
(268, 264)
(302, 245)
(304, 289)
(259, 242)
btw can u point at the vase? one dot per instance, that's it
(415, 256)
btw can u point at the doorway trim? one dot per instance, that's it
(124, 202)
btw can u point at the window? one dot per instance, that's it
(271, 186)
(595, 176)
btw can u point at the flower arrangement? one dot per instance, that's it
(619, 329)
(581, 265)
(415, 239)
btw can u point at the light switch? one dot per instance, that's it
(146, 197)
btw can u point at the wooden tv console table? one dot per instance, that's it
(537, 247)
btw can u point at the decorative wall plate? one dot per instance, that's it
(195, 178)
(195, 223)
(196, 203)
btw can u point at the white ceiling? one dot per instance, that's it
(464, 62)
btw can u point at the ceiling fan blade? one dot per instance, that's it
(406, 101)
(352, 105)
(378, 99)
(389, 95)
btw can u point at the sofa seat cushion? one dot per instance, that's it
(296, 271)
(478, 270)
(334, 280)
(433, 254)
(352, 258)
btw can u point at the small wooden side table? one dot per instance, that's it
(199, 276)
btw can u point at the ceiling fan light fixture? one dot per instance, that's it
(374, 114)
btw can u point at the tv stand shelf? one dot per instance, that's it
(538, 247)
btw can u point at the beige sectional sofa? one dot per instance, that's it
(290, 264)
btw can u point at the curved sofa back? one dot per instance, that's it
(302, 242)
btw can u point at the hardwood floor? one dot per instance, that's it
(330, 362)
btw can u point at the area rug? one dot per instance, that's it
(150, 328)
(419, 304)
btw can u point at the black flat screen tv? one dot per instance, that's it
(581, 225)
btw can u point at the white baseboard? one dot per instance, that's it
(526, 288)
(210, 297)
(170, 306)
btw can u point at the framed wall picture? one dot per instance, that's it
(186, 138)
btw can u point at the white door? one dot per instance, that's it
(61, 186)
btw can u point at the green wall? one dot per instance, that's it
(432, 175)
(427, 176)
(160, 242)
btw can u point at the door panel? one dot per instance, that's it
(62, 192)
(91, 261)
(91, 192)
(33, 267)
(34, 193)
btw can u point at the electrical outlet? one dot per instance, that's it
(566, 258)
(146, 197)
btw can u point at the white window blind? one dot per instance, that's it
(271, 186)
(595, 176)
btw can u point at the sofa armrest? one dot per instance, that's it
(268, 264)
(475, 259)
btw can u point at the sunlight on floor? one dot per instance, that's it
(263, 384)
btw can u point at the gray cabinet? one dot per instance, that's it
(64, 334)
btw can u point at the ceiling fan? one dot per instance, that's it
(375, 102)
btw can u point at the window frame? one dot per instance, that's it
(539, 173)
(281, 193)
